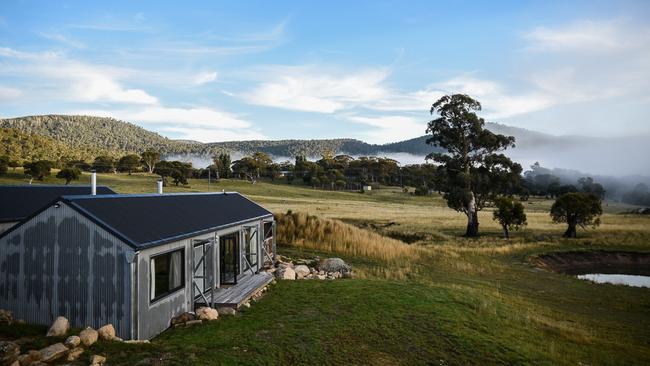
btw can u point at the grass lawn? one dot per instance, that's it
(460, 301)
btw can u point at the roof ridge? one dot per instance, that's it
(140, 195)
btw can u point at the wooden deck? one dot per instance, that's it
(234, 296)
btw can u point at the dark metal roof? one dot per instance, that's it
(20, 201)
(153, 219)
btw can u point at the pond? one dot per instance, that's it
(617, 279)
(599, 266)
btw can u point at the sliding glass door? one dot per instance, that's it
(229, 258)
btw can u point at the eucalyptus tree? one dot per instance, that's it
(476, 172)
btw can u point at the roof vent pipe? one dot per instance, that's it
(160, 187)
(93, 183)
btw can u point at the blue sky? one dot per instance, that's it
(212, 71)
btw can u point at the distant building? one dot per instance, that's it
(367, 188)
(134, 261)
(18, 202)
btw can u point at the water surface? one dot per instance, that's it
(617, 279)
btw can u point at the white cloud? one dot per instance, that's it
(197, 123)
(389, 128)
(496, 101)
(8, 94)
(586, 35)
(306, 88)
(73, 80)
(213, 134)
(205, 77)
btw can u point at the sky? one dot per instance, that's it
(370, 70)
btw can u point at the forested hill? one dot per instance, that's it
(98, 132)
(119, 137)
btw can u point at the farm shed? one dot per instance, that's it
(134, 261)
(18, 202)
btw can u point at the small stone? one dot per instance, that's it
(53, 352)
(9, 352)
(15, 363)
(88, 336)
(59, 328)
(183, 318)
(97, 360)
(321, 277)
(72, 341)
(226, 311)
(193, 322)
(6, 317)
(107, 332)
(207, 313)
(246, 304)
(137, 341)
(27, 359)
(74, 354)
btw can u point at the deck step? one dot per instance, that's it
(234, 296)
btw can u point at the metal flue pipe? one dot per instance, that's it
(93, 183)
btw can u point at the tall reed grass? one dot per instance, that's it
(300, 229)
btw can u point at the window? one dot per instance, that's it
(167, 274)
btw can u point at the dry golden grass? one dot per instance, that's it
(331, 235)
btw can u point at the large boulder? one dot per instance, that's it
(334, 265)
(88, 336)
(72, 341)
(286, 273)
(9, 352)
(59, 328)
(301, 271)
(207, 313)
(107, 332)
(53, 352)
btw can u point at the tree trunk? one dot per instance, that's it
(506, 233)
(472, 217)
(570, 231)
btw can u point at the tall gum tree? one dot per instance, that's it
(475, 171)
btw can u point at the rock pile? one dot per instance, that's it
(70, 350)
(315, 268)
(202, 314)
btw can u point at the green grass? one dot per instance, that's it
(466, 301)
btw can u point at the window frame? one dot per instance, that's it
(173, 290)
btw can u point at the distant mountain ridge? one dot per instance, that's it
(123, 137)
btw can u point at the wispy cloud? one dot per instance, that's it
(587, 35)
(309, 88)
(74, 80)
(63, 39)
(205, 77)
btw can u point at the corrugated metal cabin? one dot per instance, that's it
(134, 261)
(18, 202)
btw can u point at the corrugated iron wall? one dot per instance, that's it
(60, 263)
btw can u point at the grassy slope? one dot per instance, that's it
(466, 302)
